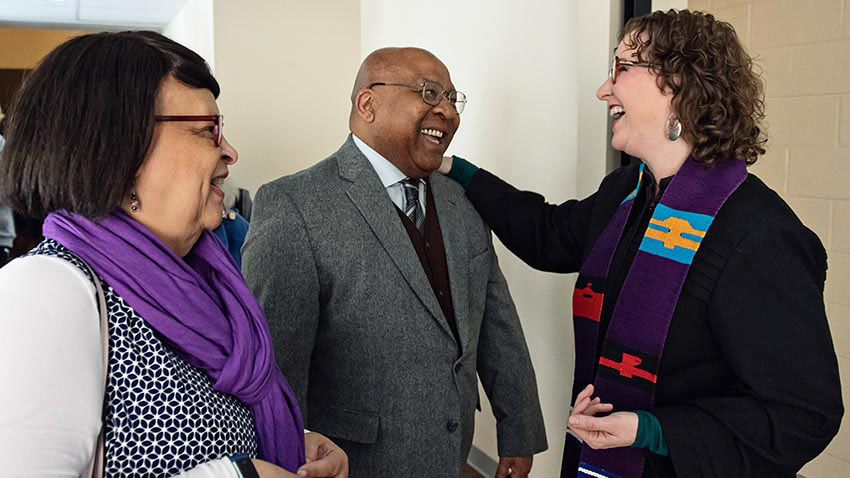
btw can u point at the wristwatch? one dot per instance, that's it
(244, 465)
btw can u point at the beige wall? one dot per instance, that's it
(286, 69)
(22, 48)
(804, 48)
(665, 5)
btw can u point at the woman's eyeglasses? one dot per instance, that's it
(218, 123)
(616, 63)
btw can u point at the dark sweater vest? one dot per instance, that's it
(432, 255)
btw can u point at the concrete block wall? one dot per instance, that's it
(804, 48)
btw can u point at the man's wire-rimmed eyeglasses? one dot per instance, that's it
(432, 93)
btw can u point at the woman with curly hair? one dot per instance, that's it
(702, 345)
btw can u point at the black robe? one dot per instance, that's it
(748, 383)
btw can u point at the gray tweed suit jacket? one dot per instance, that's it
(360, 335)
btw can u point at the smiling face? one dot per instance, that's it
(178, 184)
(639, 108)
(408, 132)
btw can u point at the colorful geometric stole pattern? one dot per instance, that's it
(631, 352)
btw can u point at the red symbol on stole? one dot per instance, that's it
(587, 304)
(628, 367)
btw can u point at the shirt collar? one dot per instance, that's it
(662, 185)
(387, 172)
(649, 186)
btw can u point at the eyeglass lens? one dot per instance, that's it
(432, 94)
(615, 65)
(218, 130)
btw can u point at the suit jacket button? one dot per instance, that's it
(451, 426)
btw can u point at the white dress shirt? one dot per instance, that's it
(389, 175)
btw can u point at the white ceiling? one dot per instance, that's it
(79, 13)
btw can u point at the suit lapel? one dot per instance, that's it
(370, 198)
(454, 243)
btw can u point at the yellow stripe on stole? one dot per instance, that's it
(673, 237)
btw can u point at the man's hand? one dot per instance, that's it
(324, 458)
(446, 165)
(514, 466)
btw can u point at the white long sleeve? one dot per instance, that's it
(50, 371)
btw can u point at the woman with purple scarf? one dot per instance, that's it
(702, 345)
(117, 139)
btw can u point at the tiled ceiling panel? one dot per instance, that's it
(89, 12)
(123, 11)
(38, 11)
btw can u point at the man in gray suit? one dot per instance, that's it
(383, 292)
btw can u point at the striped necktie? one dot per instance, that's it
(412, 206)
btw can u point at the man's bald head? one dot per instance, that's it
(389, 64)
(393, 118)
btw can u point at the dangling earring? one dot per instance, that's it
(134, 201)
(673, 127)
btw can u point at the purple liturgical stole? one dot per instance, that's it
(626, 372)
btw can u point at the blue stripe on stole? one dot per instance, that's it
(586, 470)
(637, 188)
(675, 234)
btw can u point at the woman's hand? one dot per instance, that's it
(446, 165)
(324, 458)
(615, 430)
(269, 470)
(585, 405)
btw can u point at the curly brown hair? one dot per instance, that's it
(717, 95)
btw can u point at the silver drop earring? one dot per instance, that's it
(134, 201)
(673, 128)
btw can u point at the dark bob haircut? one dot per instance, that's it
(717, 95)
(82, 123)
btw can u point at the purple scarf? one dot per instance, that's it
(203, 309)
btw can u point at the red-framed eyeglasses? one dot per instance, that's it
(217, 128)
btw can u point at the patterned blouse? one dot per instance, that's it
(161, 415)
